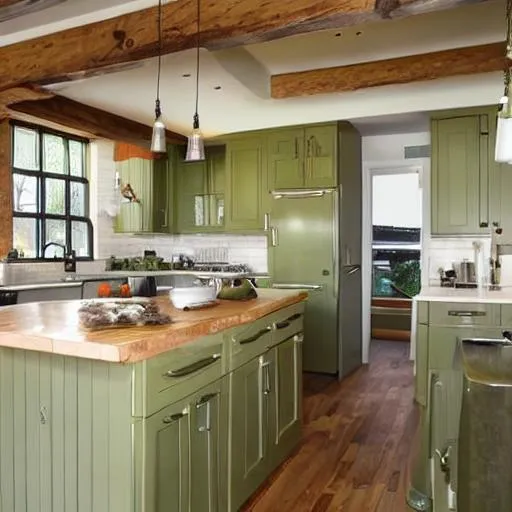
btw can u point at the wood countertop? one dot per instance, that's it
(54, 327)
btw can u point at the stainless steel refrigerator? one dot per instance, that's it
(313, 248)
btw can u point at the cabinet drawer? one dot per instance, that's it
(172, 376)
(287, 322)
(247, 342)
(459, 313)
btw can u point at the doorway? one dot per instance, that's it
(393, 242)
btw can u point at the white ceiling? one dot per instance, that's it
(235, 106)
(69, 13)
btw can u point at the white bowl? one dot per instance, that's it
(192, 296)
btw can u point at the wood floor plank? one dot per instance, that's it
(357, 441)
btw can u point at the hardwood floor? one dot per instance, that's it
(357, 441)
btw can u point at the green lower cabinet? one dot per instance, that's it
(445, 406)
(184, 454)
(165, 459)
(288, 398)
(421, 373)
(250, 424)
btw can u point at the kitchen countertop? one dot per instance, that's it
(54, 327)
(441, 294)
(76, 280)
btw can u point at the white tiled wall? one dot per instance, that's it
(251, 250)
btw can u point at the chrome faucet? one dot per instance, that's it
(56, 244)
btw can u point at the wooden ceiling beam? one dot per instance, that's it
(133, 36)
(88, 120)
(413, 68)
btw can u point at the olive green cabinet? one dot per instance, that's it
(287, 377)
(136, 216)
(252, 399)
(166, 458)
(246, 183)
(161, 196)
(302, 157)
(199, 192)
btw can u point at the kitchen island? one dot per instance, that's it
(191, 416)
(443, 317)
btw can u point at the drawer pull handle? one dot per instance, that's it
(194, 367)
(174, 417)
(287, 322)
(257, 336)
(467, 313)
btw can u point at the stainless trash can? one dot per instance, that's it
(485, 432)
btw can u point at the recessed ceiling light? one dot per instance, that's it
(217, 87)
(359, 33)
(186, 75)
(338, 34)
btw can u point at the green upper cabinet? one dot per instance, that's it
(286, 158)
(136, 216)
(302, 157)
(462, 162)
(320, 156)
(150, 182)
(199, 192)
(246, 185)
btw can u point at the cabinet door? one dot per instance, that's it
(246, 184)
(208, 428)
(421, 375)
(136, 217)
(161, 183)
(321, 159)
(286, 159)
(456, 198)
(287, 387)
(446, 400)
(191, 189)
(216, 165)
(166, 455)
(249, 390)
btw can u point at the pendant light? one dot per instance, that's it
(503, 149)
(158, 139)
(195, 147)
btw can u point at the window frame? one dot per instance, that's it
(40, 215)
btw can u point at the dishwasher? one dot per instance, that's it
(485, 432)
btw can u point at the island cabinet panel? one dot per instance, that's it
(171, 376)
(246, 183)
(65, 434)
(287, 375)
(252, 420)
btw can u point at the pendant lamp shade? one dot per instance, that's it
(195, 146)
(503, 149)
(158, 141)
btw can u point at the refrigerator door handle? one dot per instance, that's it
(297, 286)
(351, 269)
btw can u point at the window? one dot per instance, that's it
(396, 248)
(50, 194)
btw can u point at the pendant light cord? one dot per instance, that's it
(196, 115)
(158, 111)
